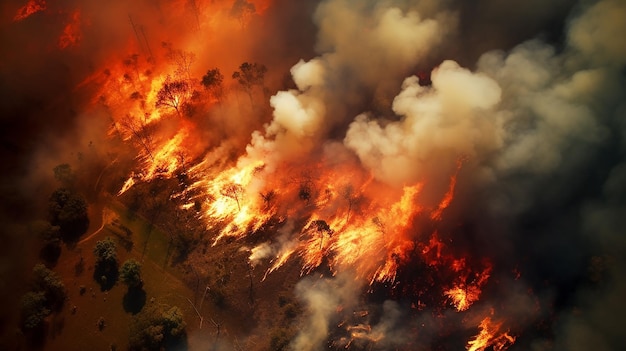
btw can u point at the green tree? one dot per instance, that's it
(105, 252)
(213, 82)
(48, 282)
(156, 327)
(106, 269)
(51, 237)
(130, 273)
(33, 310)
(250, 75)
(69, 211)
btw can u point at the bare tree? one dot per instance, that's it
(234, 191)
(141, 132)
(353, 199)
(181, 59)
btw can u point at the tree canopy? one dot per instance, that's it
(250, 74)
(33, 310)
(156, 327)
(213, 82)
(105, 251)
(48, 282)
(106, 269)
(130, 273)
(68, 210)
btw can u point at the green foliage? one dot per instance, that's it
(212, 81)
(48, 282)
(33, 310)
(51, 237)
(69, 211)
(105, 252)
(106, 269)
(250, 74)
(130, 273)
(156, 327)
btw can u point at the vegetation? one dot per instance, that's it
(33, 310)
(68, 210)
(250, 75)
(51, 237)
(130, 274)
(213, 82)
(48, 282)
(173, 94)
(106, 269)
(48, 295)
(160, 326)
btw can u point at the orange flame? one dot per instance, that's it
(490, 336)
(31, 7)
(71, 32)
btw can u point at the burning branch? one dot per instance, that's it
(233, 191)
(173, 94)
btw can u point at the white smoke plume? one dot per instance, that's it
(322, 299)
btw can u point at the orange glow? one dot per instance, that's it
(447, 199)
(71, 32)
(463, 295)
(32, 7)
(491, 336)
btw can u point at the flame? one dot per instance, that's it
(31, 7)
(71, 32)
(340, 216)
(490, 335)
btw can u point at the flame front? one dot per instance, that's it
(333, 218)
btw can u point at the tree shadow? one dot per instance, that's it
(50, 252)
(79, 267)
(134, 300)
(36, 338)
(176, 343)
(106, 275)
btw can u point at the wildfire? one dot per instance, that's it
(31, 7)
(71, 32)
(331, 217)
(490, 335)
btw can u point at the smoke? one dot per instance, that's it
(439, 124)
(322, 299)
(541, 126)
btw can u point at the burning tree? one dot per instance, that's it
(234, 191)
(173, 94)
